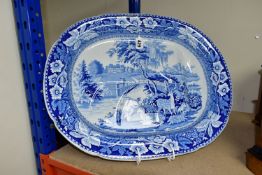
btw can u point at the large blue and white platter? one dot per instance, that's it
(129, 86)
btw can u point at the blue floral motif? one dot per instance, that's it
(214, 78)
(69, 112)
(60, 105)
(189, 35)
(67, 126)
(171, 145)
(56, 66)
(134, 29)
(207, 124)
(184, 142)
(78, 36)
(106, 150)
(88, 137)
(135, 21)
(157, 139)
(223, 77)
(70, 127)
(218, 67)
(192, 134)
(122, 21)
(56, 92)
(138, 148)
(63, 79)
(64, 122)
(201, 137)
(156, 149)
(52, 79)
(67, 122)
(150, 22)
(121, 150)
(223, 89)
(223, 102)
(220, 77)
(70, 119)
(60, 53)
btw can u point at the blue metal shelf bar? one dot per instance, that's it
(32, 51)
(134, 6)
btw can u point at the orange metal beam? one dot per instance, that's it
(53, 167)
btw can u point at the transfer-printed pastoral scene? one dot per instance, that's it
(123, 84)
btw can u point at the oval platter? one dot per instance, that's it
(137, 86)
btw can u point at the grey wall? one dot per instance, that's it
(16, 148)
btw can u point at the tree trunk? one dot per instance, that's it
(146, 77)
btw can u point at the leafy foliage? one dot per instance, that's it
(184, 142)
(121, 150)
(224, 104)
(153, 54)
(95, 67)
(194, 100)
(86, 84)
(106, 150)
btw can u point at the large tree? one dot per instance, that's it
(95, 67)
(88, 88)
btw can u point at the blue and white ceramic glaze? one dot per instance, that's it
(131, 86)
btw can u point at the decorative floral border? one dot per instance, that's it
(57, 97)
